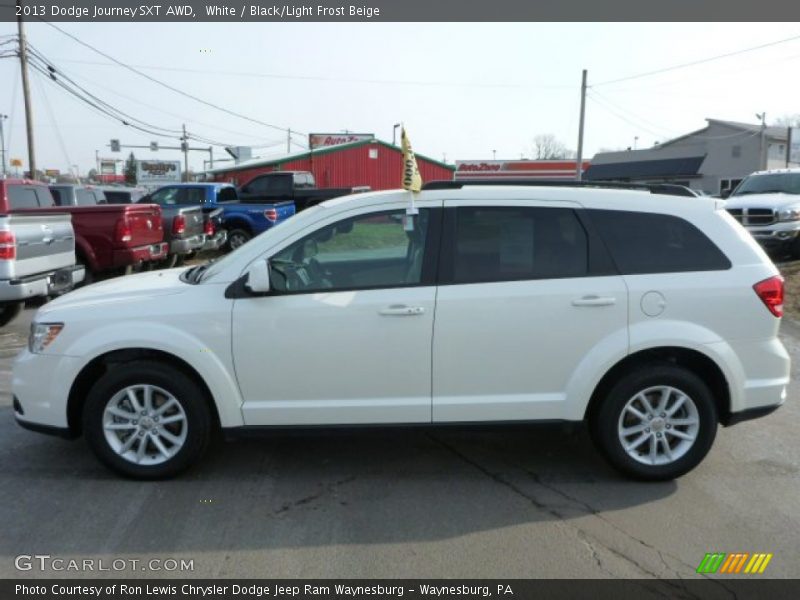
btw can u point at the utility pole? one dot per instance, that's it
(185, 147)
(210, 157)
(3, 144)
(289, 142)
(26, 92)
(579, 165)
(761, 153)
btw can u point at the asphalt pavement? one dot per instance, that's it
(510, 503)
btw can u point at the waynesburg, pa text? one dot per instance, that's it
(275, 590)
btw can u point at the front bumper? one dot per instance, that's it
(42, 284)
(40, 385)
(219, 239)
(776, 235)
(187, 245)
(125, 257)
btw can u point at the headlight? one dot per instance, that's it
(791, 213)
(42, 335)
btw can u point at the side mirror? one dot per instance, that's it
(258, 277)
(725, 193)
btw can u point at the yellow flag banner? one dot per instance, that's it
(412, 180)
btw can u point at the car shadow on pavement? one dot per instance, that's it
(291, 489)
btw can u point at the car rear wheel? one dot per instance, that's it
(9, 312)
(237, 238)
(147, 420)
(656, 423)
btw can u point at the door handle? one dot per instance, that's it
(594, 301)
(401, 310)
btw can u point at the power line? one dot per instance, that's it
(698, 62)
(161, 83)
(639, 118)
(593, 97)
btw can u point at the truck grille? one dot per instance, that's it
(753, 216)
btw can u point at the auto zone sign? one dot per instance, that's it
(323, 140)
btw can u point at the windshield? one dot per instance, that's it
(219, 264)
(772, 183)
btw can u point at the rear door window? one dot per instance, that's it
(517, 243)
(656, 243)
(193, 196)
(20, 197)
(227, 194)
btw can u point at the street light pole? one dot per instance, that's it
(3, 142)
(394, 134)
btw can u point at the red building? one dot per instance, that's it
(374, 163)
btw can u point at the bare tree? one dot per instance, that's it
(788, 121)
(547, 147)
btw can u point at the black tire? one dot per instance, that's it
(237, 238)
(188, 394)
(88, 276)
(9, 311)
(605, 420)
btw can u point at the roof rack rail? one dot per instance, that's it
(669, 189)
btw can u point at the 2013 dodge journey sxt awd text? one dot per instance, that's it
(654, 318)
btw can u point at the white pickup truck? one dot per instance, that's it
(37, 258)
(767, 203)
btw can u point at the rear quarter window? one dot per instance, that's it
(656, 243)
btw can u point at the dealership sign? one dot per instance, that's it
(322, 140)
(158, 171)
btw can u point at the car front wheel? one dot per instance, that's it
(656, 423)
(146, 420)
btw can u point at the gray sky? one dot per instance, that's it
(462, 90)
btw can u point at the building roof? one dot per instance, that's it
(278, 159)
(778, 133)
(639, 169)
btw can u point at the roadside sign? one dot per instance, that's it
(15, 162)
(52, 172)
(157, 172)
(108, 166)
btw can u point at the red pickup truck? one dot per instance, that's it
(108, 237)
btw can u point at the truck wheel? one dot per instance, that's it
(656, 423)
(146, 420)
(237, 238)
(9, 312)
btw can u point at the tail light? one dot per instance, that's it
(8, 245)
(178, 224)
(771, 293)
(208, 227)
(123, 231)
(271, 214)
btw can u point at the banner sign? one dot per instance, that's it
(322, 140)
(518, 169)
(158, 171)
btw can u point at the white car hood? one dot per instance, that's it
(778, 201)
(132, 288)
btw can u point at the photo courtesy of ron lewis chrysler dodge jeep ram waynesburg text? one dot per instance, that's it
(653, 318)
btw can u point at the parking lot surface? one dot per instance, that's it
(519, 502)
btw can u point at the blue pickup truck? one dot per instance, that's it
(241, 221)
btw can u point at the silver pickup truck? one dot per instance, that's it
(37, 258)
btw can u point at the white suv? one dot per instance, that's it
(653, 318)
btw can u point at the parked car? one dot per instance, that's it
(240, 222)
(123, 195)
(37, 258)
(109, 238)
(77, 195)
(767, 203)
(297, 186)
(650, 317)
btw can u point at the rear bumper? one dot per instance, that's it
(219, 239)
(131, 256)
(42, 284)
(187, 245)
